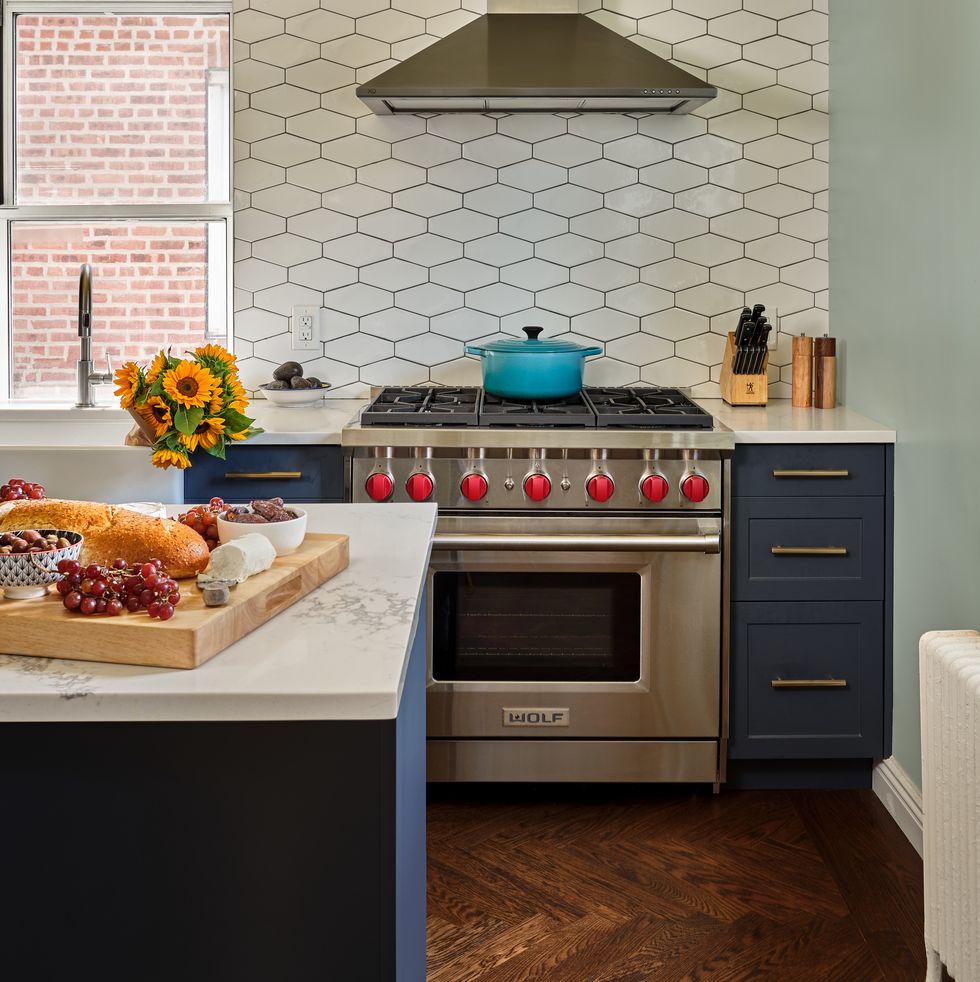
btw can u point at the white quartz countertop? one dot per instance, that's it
(780, 422)
(339, 653)
(39, 425)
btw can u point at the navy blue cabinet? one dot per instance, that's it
(809, 680)
(810, 669)
(297, 472)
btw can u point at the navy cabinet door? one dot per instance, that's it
(808, 548)
(298, 473)
(778, 470)
(806, 680)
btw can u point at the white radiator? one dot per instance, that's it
(949, 675)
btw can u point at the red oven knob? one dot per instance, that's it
(419, 487)
(537, 487)
(379, 487)
(474, 487)
(600, 487)
(695, 488)
(655, 487)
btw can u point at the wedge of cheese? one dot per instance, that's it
(236, 561)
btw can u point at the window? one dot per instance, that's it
(116, 152)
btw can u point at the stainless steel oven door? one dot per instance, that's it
(575, 627)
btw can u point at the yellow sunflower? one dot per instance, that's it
(157, 413)
(189, 385)
(158, 364)
(240, 435)
(217, 401)
(167, 458)
(217, 352)
(128, 378)
(239, 400)
(206, 435)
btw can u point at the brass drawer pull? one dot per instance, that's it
(809, 550)
(828, 683)
(263, 475)
(829, 473)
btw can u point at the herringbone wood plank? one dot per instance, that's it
(550, 884)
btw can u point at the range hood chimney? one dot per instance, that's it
(525, 57)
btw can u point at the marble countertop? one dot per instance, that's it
(780, 422)
(339, 653)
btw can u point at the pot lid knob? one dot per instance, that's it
(533, 332)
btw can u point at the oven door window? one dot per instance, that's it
(529, 627)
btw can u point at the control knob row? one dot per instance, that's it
(537, 487)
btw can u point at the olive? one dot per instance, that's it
(288, 370)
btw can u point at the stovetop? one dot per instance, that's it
(632, 407)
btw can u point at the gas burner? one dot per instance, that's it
(573, 411)
(417, 405)
(644, 407)
(629, 408)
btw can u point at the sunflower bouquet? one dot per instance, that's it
(186, 404)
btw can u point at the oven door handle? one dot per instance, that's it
(710, 543)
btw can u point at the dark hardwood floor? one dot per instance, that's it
(627, 884)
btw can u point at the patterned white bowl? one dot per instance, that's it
(24, 576)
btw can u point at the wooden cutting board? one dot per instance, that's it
(193, 635)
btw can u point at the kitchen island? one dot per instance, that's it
(260, 817)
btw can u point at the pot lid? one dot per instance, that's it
(532, 344)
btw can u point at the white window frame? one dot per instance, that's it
(219, 214)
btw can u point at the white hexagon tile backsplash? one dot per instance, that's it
(419, 234)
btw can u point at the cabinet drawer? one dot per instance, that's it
(826, 661)
(800, 469)
(808, 549)
(297, 473)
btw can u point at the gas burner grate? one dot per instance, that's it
(647, 407)
(573, 411)
(424, 406)
(635, 408)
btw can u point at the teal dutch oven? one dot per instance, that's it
(532, 368)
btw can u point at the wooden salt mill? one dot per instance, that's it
(825, 372)
(802, 371)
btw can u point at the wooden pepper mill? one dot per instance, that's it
(825, 372)
(802, 371)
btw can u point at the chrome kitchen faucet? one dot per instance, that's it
(87, 378)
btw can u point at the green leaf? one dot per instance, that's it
(172, 442)
(188, 420)
(218, 450)
(235, 420)
(156, 389)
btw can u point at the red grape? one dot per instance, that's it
(119, 563)
(165, 611)
(147, 569)
(154, 608)
(87, 605)
(63, 587)
(146, 598)
(133, 604)
(113, 608)
(72, 600)
(99, 588)
(92, 571)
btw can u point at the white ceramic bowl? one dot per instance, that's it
(294, 397)
(24, 576)
(286, 537)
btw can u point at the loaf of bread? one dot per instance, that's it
(113, 532)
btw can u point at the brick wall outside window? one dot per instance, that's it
(149, 291)
(114, 108)
(110, 110)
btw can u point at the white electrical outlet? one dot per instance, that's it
(305, 328)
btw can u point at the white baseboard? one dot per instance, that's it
(901, 798)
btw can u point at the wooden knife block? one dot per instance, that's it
(743, 390)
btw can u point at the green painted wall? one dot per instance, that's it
(905, 295)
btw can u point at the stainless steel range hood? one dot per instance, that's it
(532, 62)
